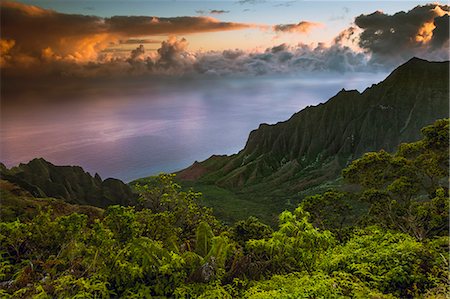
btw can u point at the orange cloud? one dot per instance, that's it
(5, 47)
(144, 26)
(425, 32)
(30, 10)
(302, 27)
(38, 32)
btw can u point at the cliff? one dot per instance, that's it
(315, 144)
(70, 183)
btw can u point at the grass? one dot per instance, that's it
(264, 201)
(228, 206)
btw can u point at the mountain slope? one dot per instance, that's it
(70, 183)
(313, 146)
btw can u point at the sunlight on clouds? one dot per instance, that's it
(5, 47)
(425, 33)
(40, 32)
(301, 27)
(40, 41)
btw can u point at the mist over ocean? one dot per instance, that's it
(155, 127)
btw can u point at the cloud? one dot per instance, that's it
(342, 16)
(441, 32)
(62, 45)
(173, 55)
(281, 59)
(137, 53)
(218, 11)
(251, 2)
(5, 47)
(212, 12)
(422, 31)
(173, 58)
(349, 35)
(143, 26)
(284, 4)
(302, 27)
(133, 41)
(80, 38)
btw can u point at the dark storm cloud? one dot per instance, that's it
(441, 32)
(422, 31)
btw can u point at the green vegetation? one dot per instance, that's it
(388, 240)
(231, 207)
(283, 163)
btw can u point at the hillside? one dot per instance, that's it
(281, 162)
(170, 247)
(70, 183)
(18, 203)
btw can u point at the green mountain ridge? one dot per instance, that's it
(170, 247)
(70, 183)
(311, 148)
(280, 163)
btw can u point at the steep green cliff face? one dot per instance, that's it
(70, 183)
(312, 147)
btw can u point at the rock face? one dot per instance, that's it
(316, 143)
(70, 183)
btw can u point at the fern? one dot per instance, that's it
(204, 236)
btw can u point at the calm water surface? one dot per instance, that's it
(128, 133)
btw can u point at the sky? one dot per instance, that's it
(216, 38)
(337, 16)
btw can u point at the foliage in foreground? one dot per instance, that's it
(169, 246)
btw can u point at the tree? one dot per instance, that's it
(332, 211)
(296, 246)
(251, 228)
(400, 186)
(161, 195)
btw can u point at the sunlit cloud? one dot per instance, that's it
(37, 32)
(301, 27)
(38, 41)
